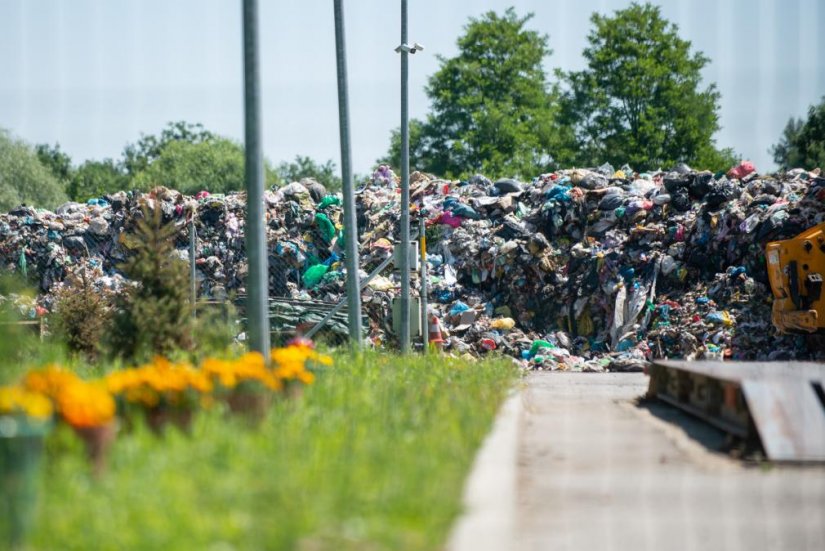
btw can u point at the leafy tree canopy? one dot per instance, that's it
(58, 162)
(802, 144)
(138, 156)
(640, 98)
(305, 167)
(23, 179)
(492, 109)
(216, 165)
(96, 179)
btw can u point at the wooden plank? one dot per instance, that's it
(789, 417)
(739, 371)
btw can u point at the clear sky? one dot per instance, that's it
(92, 75)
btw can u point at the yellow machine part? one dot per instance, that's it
(796, 269)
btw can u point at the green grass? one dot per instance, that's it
(373, 456)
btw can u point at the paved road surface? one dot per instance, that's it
(591, 471)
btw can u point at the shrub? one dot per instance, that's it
(155, 315)
(82, 314)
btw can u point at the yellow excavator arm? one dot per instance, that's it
(795, 269)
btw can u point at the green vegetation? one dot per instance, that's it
(803, 142)
(373, 456)
(96, 179)
(154, 317)
(182, 156)
(81, 315)
(216, 165)
(492, 110)
(23, 179)
(305, 167)
(639, 99)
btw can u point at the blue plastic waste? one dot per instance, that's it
(458, 307)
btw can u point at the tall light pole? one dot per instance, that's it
(350, 221)
(257, 280)
(404, 265)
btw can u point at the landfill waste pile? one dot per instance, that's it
(579, 269)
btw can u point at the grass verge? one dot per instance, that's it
(373, 456)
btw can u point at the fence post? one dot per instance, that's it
(350, 219)
(422, 240)
(257, 282)
(193, 236)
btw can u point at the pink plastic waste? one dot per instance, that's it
(741, 170)
(449, 219)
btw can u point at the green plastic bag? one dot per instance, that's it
(538, 345)
(314, 275)
(327, 228)
(328, 200)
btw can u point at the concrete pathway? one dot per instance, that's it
(588, 469)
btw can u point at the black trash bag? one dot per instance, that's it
(594, 181)
(611, 202)
(675, 184)
(700, 184)
(481, 181)
(763, 199)
(507, 185)
(719, 194)
(680, 200)
(682, 169)
(772, 188)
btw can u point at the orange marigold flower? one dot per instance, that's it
(49, 380)
(85, 404)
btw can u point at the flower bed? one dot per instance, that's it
(160, 391)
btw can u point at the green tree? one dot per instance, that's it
(58, 162)
(138, 156)
(188, 158)
(305, 167)
(96, 179)
(23, 178)
(418, 157)
(640, 100)
(215, 165)
(492, 109)
(803, 142)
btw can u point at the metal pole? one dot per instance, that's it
(350, 222)
(257, 284)
(422, 237)
(404, 264)
(192, 286)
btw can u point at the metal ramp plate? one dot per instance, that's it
(781, 403)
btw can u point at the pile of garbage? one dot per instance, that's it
(580, 269)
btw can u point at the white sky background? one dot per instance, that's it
(92, 75)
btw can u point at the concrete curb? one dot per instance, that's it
(488, 522)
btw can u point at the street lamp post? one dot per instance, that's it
(404, 264)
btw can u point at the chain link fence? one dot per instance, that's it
(306, 281)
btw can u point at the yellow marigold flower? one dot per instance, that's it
(18, 400)
(290, 363)
(49, 380)
(84, 404)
